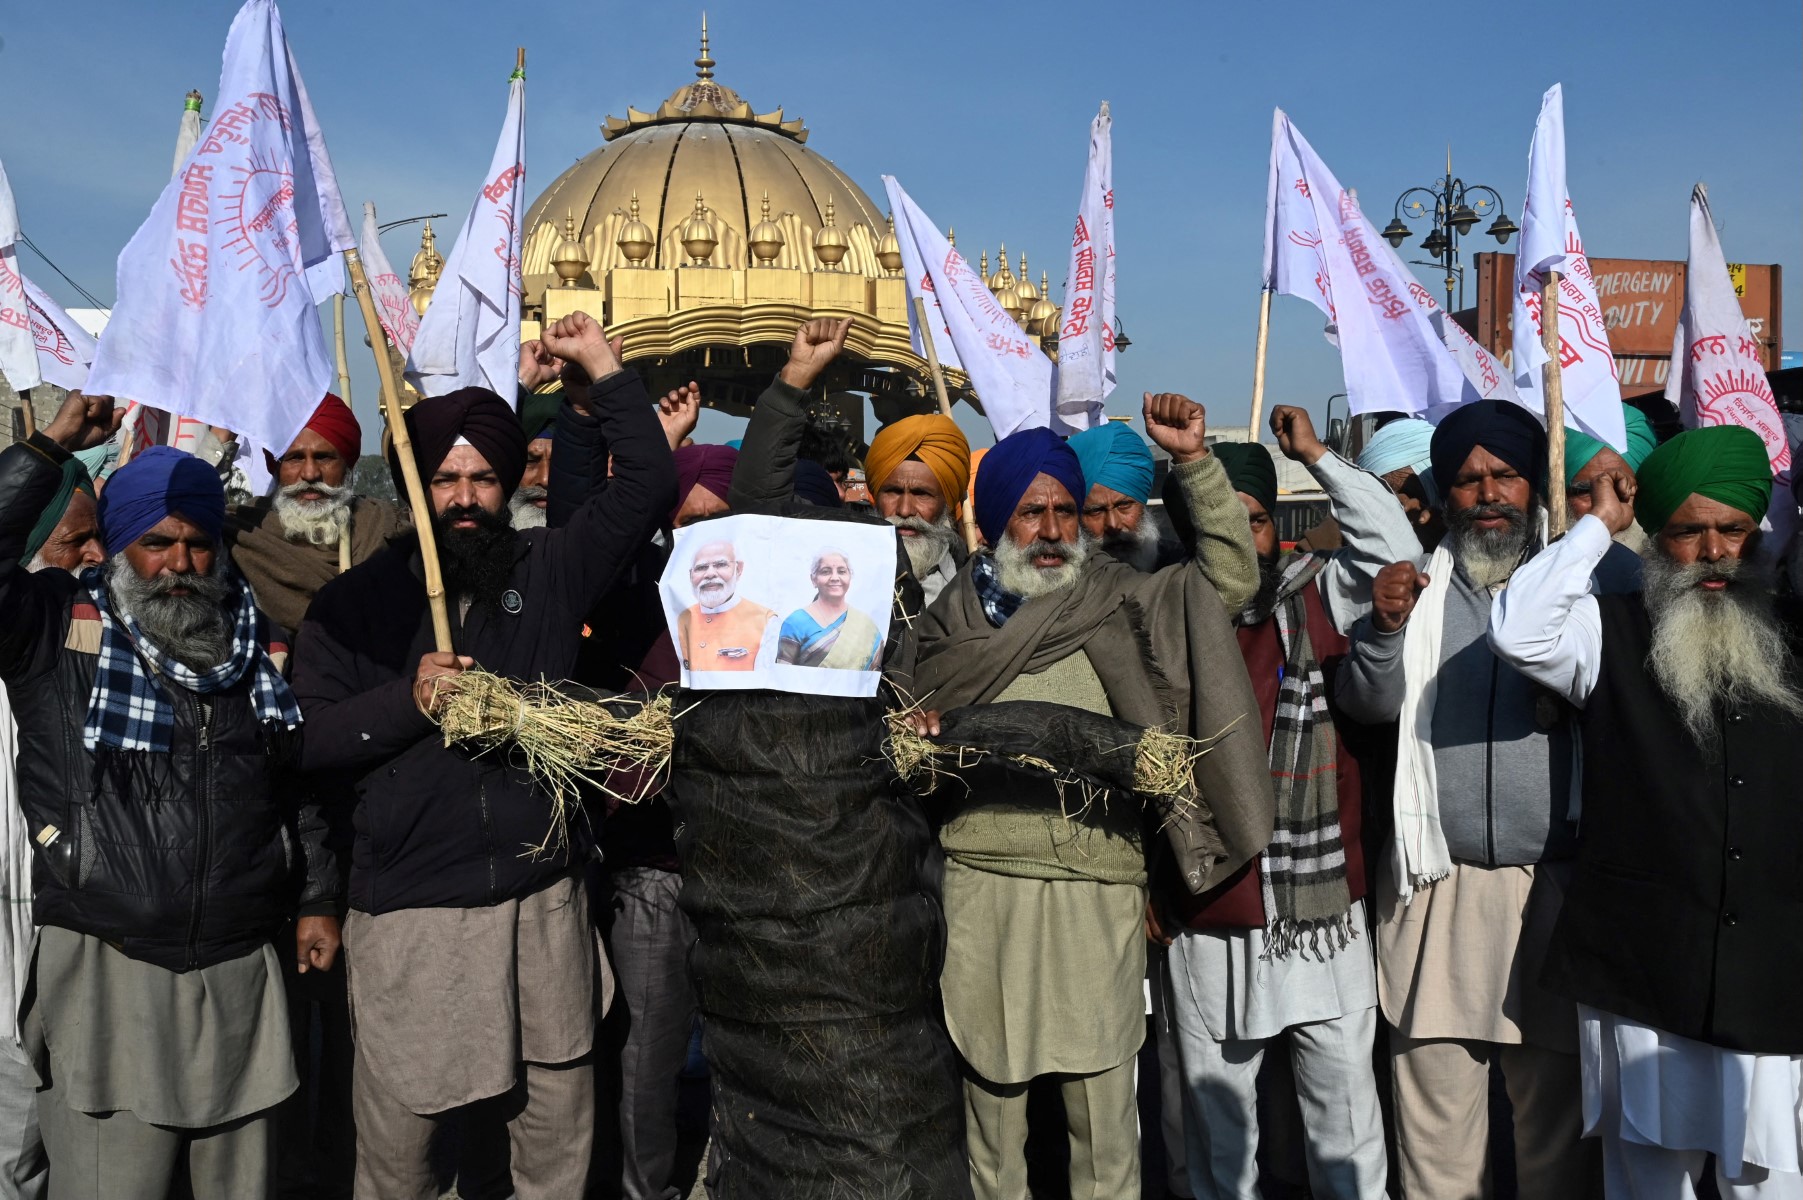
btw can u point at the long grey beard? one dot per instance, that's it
(319, 522)
(1137, 547)
(933, 542)
(1016, 572)
(195, 629)
(1716, 648)
(1489, 556)
(523, 510)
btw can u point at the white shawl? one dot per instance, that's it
(1420, 856)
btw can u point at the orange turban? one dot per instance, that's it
(935, 440)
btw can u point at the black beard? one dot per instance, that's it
(1269, 576)
(477, 563)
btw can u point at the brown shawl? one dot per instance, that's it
(1165, 652)
(287, 575)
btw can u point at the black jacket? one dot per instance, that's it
(182, 859)
(1685, 910)
(438, 826)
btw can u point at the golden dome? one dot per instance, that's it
(704, 138)
(1003, 277)
(570, 260)
(830, 244)
(1042, 318)
(634, 242)
(697, 234)
(1025, 289)
(888, 251)
(766, 238)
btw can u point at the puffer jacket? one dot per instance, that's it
(183, 859)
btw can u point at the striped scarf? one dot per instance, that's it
(1303, 870)
(128, 711)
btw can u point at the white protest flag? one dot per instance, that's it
(64, 348)
(1086, 334)
(1319, 246)
(18, 351)
(215, 321)
(470, 337)
(1550, 242)
(187, 133)
(1011, 374)
(920, 284)
(394, 306)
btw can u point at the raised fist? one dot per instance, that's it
(816, 345)
(1393, 595)
(1177, 425)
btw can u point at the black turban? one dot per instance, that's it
(814, 484)
(479, 416)
(1251, 470)
(1502, 427)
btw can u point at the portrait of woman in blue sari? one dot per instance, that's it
(828, 632)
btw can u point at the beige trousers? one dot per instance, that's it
(1103, 1116)
(1442, 1092)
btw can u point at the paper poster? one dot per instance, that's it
(781, 603)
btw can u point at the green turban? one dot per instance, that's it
(1726, 463)
(1250, 468)
(1580, 448)
(538, 412)
(75, 479)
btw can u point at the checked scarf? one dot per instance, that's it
(1304, 867)
(128, 711)
(998, 602)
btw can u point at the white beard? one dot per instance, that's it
(1016, 572)
(522, 510)
(1716, 648)
(932, 542)
(1137, 548)
(319, 522)
(1489, 557)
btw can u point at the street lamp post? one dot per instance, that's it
(1456, 208)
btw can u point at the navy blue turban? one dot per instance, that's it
(159, 481)
(1502, 427)
(814, 484)
(1009, 469)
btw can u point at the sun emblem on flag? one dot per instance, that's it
(260, 223)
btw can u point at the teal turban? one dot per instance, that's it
(1580, 447)
(1726, 463)
(75, 479)
(1115, 457)
(1251, 470)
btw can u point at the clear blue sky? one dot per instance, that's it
(982, 110)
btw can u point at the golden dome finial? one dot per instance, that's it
(1024, 288)
(697, 234)
(888, 252)
(766, 240)
(635, 240)
(569, 260)
(983, 265)
(704, 66)
(1042, 318)
(422, 275)
(830, 245)
(1003, 279)
(951, 235)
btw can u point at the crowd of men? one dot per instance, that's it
(1477, 803)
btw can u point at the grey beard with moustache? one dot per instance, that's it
(195, 629)
(1137, 547)
(320, 522)
(1489, 556)
(932, 543)
(522, 508)
(1016, 573)
(1713, 648)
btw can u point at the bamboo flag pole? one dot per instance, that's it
(1258, 364)
(344, 367)
(945, 406)
(29, 418)
(1553, 383)
(403, 450)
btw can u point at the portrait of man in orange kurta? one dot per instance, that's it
(723, 631)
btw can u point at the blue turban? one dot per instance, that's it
(1502, 427)
(814, 484)
(1009, 469)
(1401, 443)
(1115, 457)
(160, 481)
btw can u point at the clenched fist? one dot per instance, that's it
(816, 345)
(1177, 425)
(1393, 596)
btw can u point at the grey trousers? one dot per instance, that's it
(1172, 1095)
(115, 1156)
(1344, 1129)
(1442, 1090)
(550, 1128)
(1103, 1116)
(648, 941)
(23, 1165)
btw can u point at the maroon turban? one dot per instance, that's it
(703, 466)
(475, 414)
(334, 421)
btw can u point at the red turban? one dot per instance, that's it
(334, 421)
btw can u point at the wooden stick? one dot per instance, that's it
(1553, 384)
(1258, 366)
(945, 406)
(29, 418)
(344, 367)
(403, 449)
